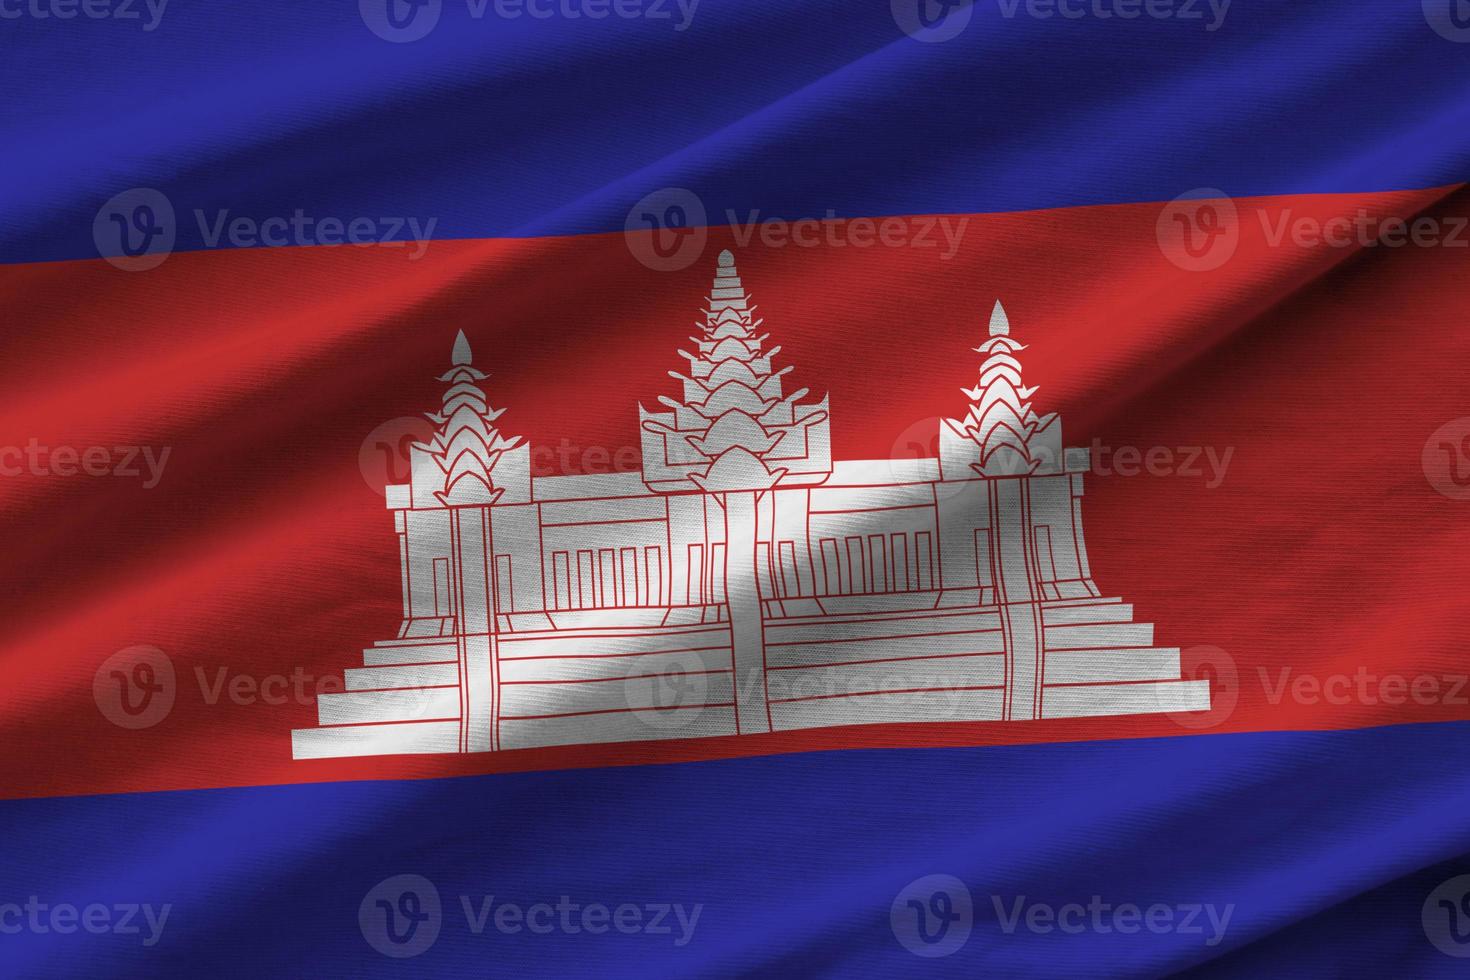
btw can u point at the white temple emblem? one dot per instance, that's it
(466, 445)
(734, 430)
(1001, 435)
(743, 582)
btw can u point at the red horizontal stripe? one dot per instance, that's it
(264, 553)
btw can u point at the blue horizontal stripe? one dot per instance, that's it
(528, 127)
(1324, 846)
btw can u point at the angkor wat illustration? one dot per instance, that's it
(743, 581)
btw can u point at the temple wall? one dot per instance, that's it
(601, 565)
(1061, 554)
(429, 562)
(867, 551)
(1051, 530)
(582, 550)
(793, 573)
(963, 509)
(516, 558)
(689, 523)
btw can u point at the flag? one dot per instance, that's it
(669, 487)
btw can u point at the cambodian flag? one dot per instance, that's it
(705, 488)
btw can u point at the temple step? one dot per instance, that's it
(618, 726)
(587, 643)
(1087, 614)
(387, 654)
(923, 673)
(1152, 697)
(886, 708)
(585, 667)
(407, 704)
(887, 627)
(1097, 666)
(523, 701)
(415, 738)
(821, 653)
(1099, 636)
(409, 675)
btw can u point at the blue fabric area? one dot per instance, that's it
(764, 108)
(1324, 845)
